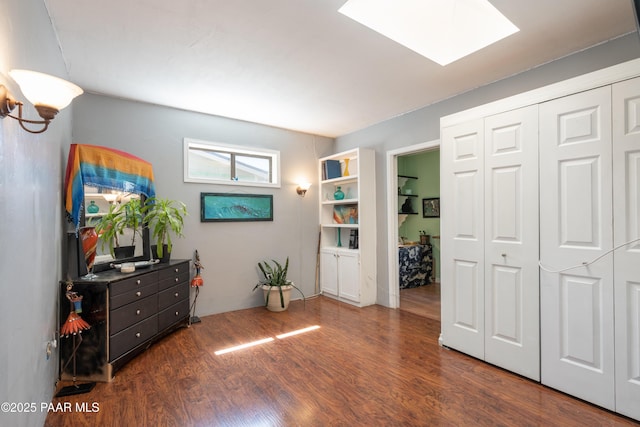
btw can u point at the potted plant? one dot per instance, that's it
(113, 224)
(164, 217)
(275, 286)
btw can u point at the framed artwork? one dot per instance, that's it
(431, 207)
(345, 214)
(227, 207)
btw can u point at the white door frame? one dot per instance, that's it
(392, 213)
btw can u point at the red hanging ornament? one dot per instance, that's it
(197, 279)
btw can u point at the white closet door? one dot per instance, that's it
(462, 231)
(577, 353)
(512, 323)
(626, 202)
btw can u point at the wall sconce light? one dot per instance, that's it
(48, 94)
(302, 188)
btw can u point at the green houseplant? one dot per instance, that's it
(274, 283)
(112, 225)
(164, 217)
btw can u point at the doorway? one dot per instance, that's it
(408, 221)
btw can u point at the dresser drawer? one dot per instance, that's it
(174, 270)
(129, 314)
(173, 280)
(132, 295)
(172, 295)
(136, 282)
(173, 314)
(133, 336)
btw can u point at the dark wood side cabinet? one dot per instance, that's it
(127, 312)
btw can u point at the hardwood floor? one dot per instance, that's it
(369, 366)
(423, 301)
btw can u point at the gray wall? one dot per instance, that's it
(424, 124)
(31, 220)
(228, 251)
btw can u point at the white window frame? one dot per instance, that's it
(274, 155)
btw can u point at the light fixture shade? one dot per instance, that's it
(304, 185)
(43, 89)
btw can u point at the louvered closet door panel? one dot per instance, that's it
(512, 328)
(577, 345)
(626, 202)
(462, 230)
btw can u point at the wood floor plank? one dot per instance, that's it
(362, 367)
(423, 300)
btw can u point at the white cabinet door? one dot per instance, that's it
(348, 275)
(511, 281)
(577, 329)
(626, 202)
(462, 231)
(329, 272)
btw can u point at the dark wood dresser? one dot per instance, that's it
(127, 312)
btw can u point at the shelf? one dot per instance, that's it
(407, 195)
(348, 275)
(402, 180)
(339, 248)
(407, 213)
(340, 202)
(341, 180)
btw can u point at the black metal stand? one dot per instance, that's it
(194, 318)
(75, 388)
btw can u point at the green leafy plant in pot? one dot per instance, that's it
(164, 217)
(112, 225)
(275, 284)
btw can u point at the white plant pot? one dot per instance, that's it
(274, 297)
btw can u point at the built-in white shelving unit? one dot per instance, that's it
(348, 227)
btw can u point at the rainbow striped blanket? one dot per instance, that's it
(104, 168)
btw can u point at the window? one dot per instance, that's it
(217, 163)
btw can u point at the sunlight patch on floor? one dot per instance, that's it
(266, 340)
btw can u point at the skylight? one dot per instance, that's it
(441, 30)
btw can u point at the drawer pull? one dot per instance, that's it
(177, 280)
(138, 281)
(177, 295)
(137, 334)
(177, 313)
(177, 270)
(138, 293)
(137, 312)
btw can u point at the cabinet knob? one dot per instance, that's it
(138, 293)
(177, 270)
(177, 313)
(137, 334)
(137, 312)
(177, 280)
(504, 255)
(177, 294)
(138, 282)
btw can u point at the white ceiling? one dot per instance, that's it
(299, 64)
